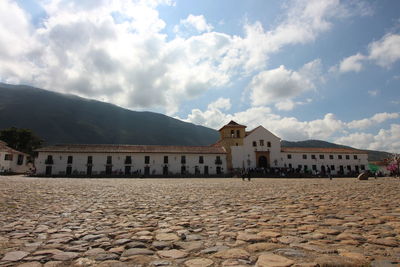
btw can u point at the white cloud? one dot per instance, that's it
(373, 92)
(285, 105)
(374, 120)
(385, 139)
(352, 63)
(386, 51)
(199, 23)
(281, 85)
(117, 51)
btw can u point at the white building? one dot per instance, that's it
(11, 160)
(237, 149)
(261, 149)
(131, 160)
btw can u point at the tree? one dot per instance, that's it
(393, 163)
(23, 140)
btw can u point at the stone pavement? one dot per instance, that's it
(199, 222)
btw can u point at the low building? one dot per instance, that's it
(261, 149)
(237, 149)
(131, 160)
(11, 160)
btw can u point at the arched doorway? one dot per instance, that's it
(262, 159)
(262, 162)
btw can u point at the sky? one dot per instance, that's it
(303, 69)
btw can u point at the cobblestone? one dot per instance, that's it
(195, 222)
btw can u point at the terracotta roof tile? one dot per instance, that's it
(90, 148)
(232, 124)
(10, 150)
(322, 150)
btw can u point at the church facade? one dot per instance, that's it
(260, 149)
(236, 150)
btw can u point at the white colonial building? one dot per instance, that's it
(261, 149)
(11, 160)
(237, 149)
(131, 160)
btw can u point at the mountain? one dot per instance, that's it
(60, 118)
(372, 154)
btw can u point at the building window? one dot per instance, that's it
(347, 156)
(254, 143)
(20, 159)
(89, 160)
(165, 159)
(330, 156)
(183, 169)
(332, 167)
(289, 156)
(362, 167)
(146, 159)
(49, 160)
(69, 160)
(261, 142)
(321, 156)
(218, 160)
(314, 167)
(339, 157)
(349, 168)
(201, 159)
(313, 157)
(305, 168)
(196, 170)
(128, 160)
(355, 157)
(109, 159)
(304, 156)
(290, 165)
(232, 133)
(299, 167)
(8, 157)
(268, 144)
(238, 133)
(183, 159)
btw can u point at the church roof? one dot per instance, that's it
(232, 124)
(91, 148)
(322, 150)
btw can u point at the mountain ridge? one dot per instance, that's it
(67, 119)
(59, 118)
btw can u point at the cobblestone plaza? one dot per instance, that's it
(199, 222)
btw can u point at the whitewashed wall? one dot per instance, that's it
(156, 163)
(12, 165)
(297, 159)
(243, 155)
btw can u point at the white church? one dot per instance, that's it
(258, 150)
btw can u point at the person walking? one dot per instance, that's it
(328, 170)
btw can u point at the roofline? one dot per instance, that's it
(232, 126)
(260, 126)
(58, 148)
(310, 150)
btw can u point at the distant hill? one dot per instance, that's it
(59, 118)
(372, 154)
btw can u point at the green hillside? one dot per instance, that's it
(59, 118)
